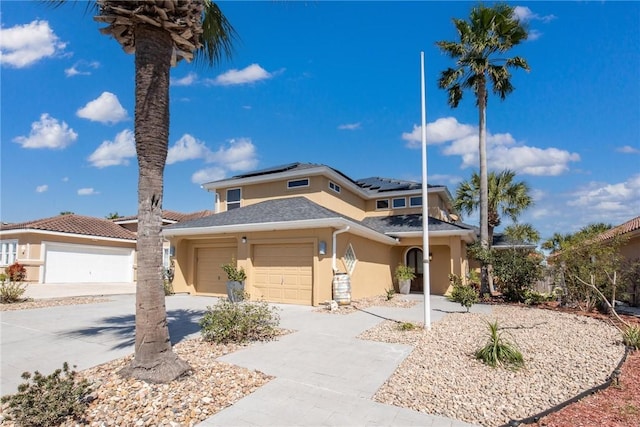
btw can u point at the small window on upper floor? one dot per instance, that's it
(233, 198)
(298, 183)
(415, 201)
(335, 187)
(399, 203)
(382, 204)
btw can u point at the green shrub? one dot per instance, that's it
(240, 322)
(406, 326)
(631, 337)
(499, 351)
(515, 271)
(11, 291)
(463, 294)
(390, 293)
(48, 400)
(531, 297)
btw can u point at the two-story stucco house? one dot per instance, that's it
(293, 227)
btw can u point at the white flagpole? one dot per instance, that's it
(426, 280)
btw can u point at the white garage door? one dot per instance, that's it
(67, 263)
(284, 273)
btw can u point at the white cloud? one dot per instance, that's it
(187, 148)
(187, 80)
(104, 109)
(627, 149)
(48, 133)
(240, 154)
(250, 74)
(350, 126)
(603, 198)
(525, 14)
(208, 175)
(87, 192)
(503, 151)
(81, 68)
(24, 45)
(42, 188)
(115, 153)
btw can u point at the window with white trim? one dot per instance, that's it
(335, 187)
(415, 201)
(8, 252)
(233, 198)
(399, 203)
(382, 204)
(296, 183)
(350, 259)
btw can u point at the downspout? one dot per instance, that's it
(333, 247)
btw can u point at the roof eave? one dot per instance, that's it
(466, 235)
(337, 223)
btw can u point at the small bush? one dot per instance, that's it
(240, 322)
(499, 351)
(16, 272)
(390, 293)
(465, 295)
(11, 291)
(406, 326)
(631, 337)
(48, 400)
(535, 298)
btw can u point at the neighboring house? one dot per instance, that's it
(629, 249)
(70, 249)
(78, 249)
(293, 227)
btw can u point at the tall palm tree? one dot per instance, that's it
(483, 40)
(505, 197)
(160, 33)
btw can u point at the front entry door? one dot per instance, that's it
(415, 260)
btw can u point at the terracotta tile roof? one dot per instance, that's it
(75, 224)
(627, 227)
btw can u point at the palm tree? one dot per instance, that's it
(505, 197)
(160, 33)
(489, 33)
(522, 233)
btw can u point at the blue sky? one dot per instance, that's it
(336, 83)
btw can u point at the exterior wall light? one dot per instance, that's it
(322, 247)
(244, 239)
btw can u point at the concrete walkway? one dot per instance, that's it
(323, 374)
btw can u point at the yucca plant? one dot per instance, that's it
(631, 337)
(499, 351)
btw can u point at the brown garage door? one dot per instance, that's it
(283, 273)
(210, 278)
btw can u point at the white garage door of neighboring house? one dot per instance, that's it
(283, 273)
(69, 263)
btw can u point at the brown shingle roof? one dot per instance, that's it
(627, 227)
(74, 224)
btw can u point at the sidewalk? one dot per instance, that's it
(324, 375)
(62, 290)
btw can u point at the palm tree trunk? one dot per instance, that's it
(484, 184)
(154, 359)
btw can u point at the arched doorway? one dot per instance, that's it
(416, 260)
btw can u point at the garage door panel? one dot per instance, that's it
(72, 263)
(284, 273)
(210, 278)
